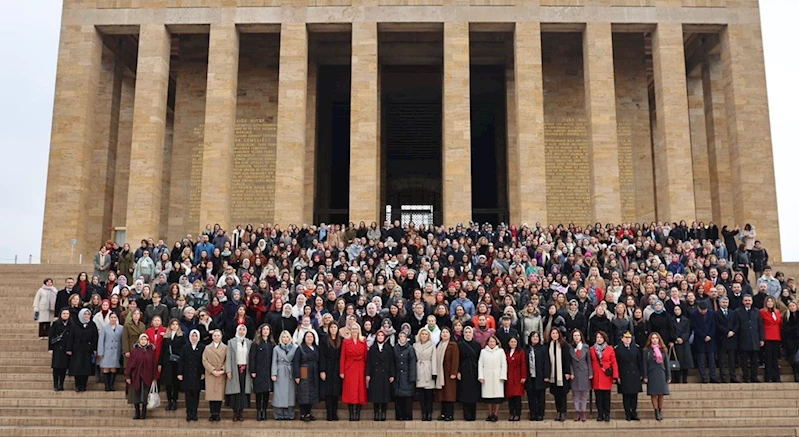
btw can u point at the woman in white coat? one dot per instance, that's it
(426, 365)
(44, 307)
(492, 372)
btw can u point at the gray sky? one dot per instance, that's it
(29, 47)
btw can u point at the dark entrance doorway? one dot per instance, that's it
(489, 144)
(411, 140)
(332, 144)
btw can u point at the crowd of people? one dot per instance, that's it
(404, 313)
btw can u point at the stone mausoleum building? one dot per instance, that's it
(172, 114)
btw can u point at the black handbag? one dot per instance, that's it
(674, 363)
(172, 357)
(609, 371)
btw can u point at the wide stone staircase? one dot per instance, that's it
(29, 407)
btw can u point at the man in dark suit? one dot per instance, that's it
(62, 297)
(703, 322)
(506, 332)
(727, 340)
(749, 330)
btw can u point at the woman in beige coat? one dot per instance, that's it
(44, 307)
(214, 359)
(426, 370)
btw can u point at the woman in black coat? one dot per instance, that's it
(538, 369)
(191, 373)
(57, 345)
(660, 322)
(681, 326)
(82, 347)
(171, 349)
(790, 337)
(628, 357)
(559, 355)
(468, 384)
(306, 366)
(380, 375)
(329, 364)
(260, 362)
(598, 322)
(405, 380)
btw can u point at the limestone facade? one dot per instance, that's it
(210, 115)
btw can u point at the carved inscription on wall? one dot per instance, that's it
(253, 175)
(624, 132)
(196, 177)
(568, 173)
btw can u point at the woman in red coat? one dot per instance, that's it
(517, 375)
(354, 353)
(772, 330)
(156, 334)
(606, 370)
(139, 374)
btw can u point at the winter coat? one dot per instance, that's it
(629, 362)
(232, 385)
(704, 326)
(44, 304)
(446, 385)
(602, 381)
(109, 347)
(82, 343)
(581, 369)
(130, 335)
(595, 324)
(492, 368)
(101, 266)
(528, 324)
(214, 358)
(405, 370)
(517, 372)
(353, 367)
(749, 329)
(169, 369)
(191, 367)
(282, 368)
(261, 366)
(682, 329)
(658, 374)
(542, 367)
(661, 323)
(329, 363)
(469, 385)
(426, 364)
(142, 367)
(126, 265)
(308, 388)
(379, 369)
(59, 333)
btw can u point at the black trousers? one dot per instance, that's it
(727, 364)
(469, 411)
(515, 405)
(192, 402)
(403, 407)
(216, 407)
(536, 401)
(44, 329)
(260, 401)
(602, 402)
(749, 362)
(448, 409)
(59, 375)
(560, 398)
(426, 399)
(772, 352)
(81, 381)
(630, 403)
(305, 409)
(172, 392)
(331, 406)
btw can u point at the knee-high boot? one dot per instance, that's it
(358, 412)
(351, 408)
(137, 409)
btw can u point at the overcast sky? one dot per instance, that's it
(29, 47)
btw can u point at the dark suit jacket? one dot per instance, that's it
(725, 324)
(749, 329)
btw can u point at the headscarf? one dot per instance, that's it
(287, 310)
(198, 337)
(80, 316)
(139, 339)
(241, 337)
(655, 307)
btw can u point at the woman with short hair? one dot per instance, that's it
(605, 370)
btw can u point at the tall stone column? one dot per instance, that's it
(71, 143)
(699, 155)
(457, 153)
(291, 116)
(718, 151)
(751, 159)
(365, 168)
(531, 200)
(220, 126)
(675, 191)
(149, 129)
(600, 109)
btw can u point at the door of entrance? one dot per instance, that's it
(418, 214)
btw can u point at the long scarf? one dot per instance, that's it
(531, 361)
(440, 352)
(658, 354)
(556, 358)
(600, 349)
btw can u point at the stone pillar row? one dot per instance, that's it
(738, 141)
